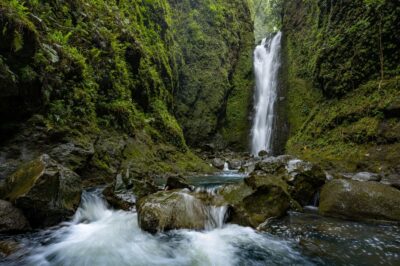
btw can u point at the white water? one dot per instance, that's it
(266, 66)
(226, 167)
(100, 236)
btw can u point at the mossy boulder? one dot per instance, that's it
(356, 200)
(303, 178)
(45, 191)
(11, 218)
(168, 210)
(257, 199)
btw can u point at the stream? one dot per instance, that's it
(99, 235)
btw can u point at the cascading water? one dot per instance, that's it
(266, 67)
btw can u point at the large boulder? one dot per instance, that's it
(11, 218)
(45, 191)
(176, 209)
(218, 163)
(256, 200)
(304, 179)
(360, 200)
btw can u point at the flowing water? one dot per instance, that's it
(99, 235)
(266, 67)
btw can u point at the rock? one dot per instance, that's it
(218, 163)
(366, 176)
(168, 210)
(8, 247)
(391, 180)
(123, 200)
(256, 199)
(262, 153)
(144, 187)
(45, 191)
(234, 164)
(176, 182)
(360, 200)
(304, 179)
(11, 218)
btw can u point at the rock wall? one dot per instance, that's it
(342, 62)
(98, 84)
(214, 93)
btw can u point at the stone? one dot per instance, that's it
(367, 201)
(234, 164)
(262, 153)
(45, 191)
(12, 219)
(218, 163)
(168, 210)
(256, 200)
(176, 182)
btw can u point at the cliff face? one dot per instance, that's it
(213, 95)
(106, 78)
(342, 59)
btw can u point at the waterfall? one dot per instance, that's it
(226, 167)
(266, 66)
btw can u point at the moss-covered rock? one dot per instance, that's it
(252, 204)
(175, 209)
(45, 191)
(367, 201)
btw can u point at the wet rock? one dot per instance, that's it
(262, 153)
(360, 200)
(8, 247)
(176, 182)
(366, 176)
(218, 163)
(256, 199)
(303, 178)
(11, 218)
(143, 187)
(391, 180)
(234, 164)
(45, 191)
(168, 210)
(119, 195)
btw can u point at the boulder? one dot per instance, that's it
(234, 164)
(11, 218)
(45, 191)
(175, 209)
(303, 178)
(176, 182)
(218, 163)
(360, 200)
(256, 199)
(262, 153)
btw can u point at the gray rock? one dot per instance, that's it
(218, 163)
(234, 164)
(176, 182)
(175, 209)
(360, 200)
(11, 218)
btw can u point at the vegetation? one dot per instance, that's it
(343, 82)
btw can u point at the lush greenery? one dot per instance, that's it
(343, 60)
(213, 97)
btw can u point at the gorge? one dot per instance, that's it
(199, 132)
